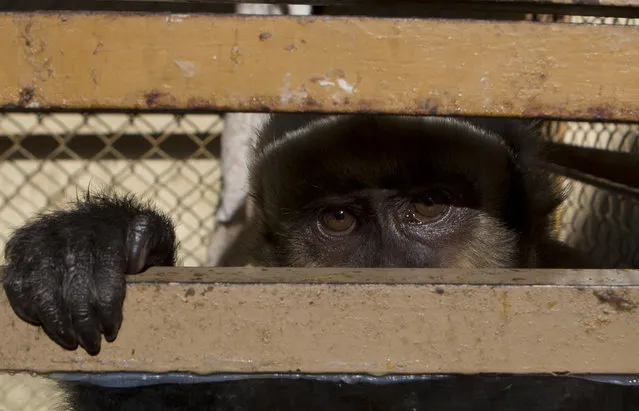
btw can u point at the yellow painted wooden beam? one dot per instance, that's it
(628, 3)
(375, 321)
(239, 63)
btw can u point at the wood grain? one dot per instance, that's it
(629, 3)
(232, 63)
(357, 321)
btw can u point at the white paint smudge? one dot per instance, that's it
(187, 67)
(485, 92)
(335, 78)
(176, 18)
(345, 85)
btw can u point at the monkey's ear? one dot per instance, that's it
(609, 170)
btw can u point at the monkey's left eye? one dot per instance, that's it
(337, 222)
(427, 211)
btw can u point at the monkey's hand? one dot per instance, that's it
(66, 270)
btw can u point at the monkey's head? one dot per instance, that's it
(396, 191)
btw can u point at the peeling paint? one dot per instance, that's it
(187, 67)
(335, 78)
(429, 105)
(486, 92)
(344, 85)
(236, 56)
(176, 18)
(27, 94)
(617, 299)
(158, 99)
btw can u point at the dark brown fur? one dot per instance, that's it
(503, 220)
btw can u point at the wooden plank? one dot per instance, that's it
(616, 3)
(371, 321)
(379, 8)
(476, 9)
(231, 63)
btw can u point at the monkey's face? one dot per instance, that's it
(357, 191)
(427, 227)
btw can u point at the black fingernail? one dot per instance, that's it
(91, 344)
(68, 339)
(111, 331)
(64, 338)
(110, 337)
(110, 324)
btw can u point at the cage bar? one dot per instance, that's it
(528, 3)
(237, 63)
(375, 321)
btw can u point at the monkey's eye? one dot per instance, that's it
(427, 211)
(337, 222)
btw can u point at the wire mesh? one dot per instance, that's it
(603, 224)
(619, 21)
(47, 160)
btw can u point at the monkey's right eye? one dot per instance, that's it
(337, 222)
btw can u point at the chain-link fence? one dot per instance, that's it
(47, 160)
(602, 223)
(599, 222)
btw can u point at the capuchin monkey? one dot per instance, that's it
(328, 191)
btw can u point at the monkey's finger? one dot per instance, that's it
(60, 332)
(79, 296)
(138, 242)
(18, 293)
(35, 297)
(51, 313)
(111, 288)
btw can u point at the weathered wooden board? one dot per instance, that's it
(357, 321)
(475, 9)
(95, 61)
(629, 3)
